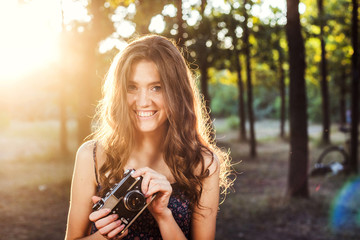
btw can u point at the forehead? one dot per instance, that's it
(144, 71)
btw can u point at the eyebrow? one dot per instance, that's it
(152, 83)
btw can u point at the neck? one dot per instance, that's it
(150, 145)
(149, 141)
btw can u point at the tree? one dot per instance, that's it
(203, 55)
(355, 91)
(98, 29)
(249, 84)
(324, 81)
(241, 113)
(180, 23)
(62, 96)
(298, 162)
(232, 24)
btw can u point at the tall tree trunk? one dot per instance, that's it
(354, 92)
(249, 86)
(63, 115)
(343, 98)
(99, 28)
(204, 82)
(241, 112)
(324, 83)
(63, 83)
(282, 90)
(86, 97)
(180, 22)
(203, 58)
(298, 166)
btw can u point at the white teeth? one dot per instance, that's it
(145, 114)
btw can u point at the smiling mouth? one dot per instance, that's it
(145, 113)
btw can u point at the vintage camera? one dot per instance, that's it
(125, 199)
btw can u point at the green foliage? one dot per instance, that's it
(224, 94)
(233, 122)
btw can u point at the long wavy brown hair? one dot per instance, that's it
(188, 136)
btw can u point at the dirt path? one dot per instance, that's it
(35, 184)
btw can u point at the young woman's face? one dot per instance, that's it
(145, 97)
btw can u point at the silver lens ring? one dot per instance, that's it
(134, 200)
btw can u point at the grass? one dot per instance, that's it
(35, 189)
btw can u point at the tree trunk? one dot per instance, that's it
(342, 104)
(99, 28)
(249, 86)
(324, 83)
(204, 80)
(180, 21)
(63, 115)
(282, 93)
(298, 166)
(203, 58)
(63, 83)
(241, 112)
(353, 164)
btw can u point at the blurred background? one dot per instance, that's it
(54, 55)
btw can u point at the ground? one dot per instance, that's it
(35, 182)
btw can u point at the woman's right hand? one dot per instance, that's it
(109, 226)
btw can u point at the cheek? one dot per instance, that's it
(130, 99)
(160, 101)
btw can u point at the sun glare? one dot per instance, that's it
(29, 33)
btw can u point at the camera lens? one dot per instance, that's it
(134, 200)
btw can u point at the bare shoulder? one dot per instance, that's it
(85, 151)
(84, 163)
(211, 162)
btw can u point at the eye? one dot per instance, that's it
(156, 88)
(131, 88)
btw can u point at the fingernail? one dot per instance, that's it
(118, 222)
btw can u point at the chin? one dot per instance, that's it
(152, 129)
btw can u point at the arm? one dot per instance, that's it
(204, 217)
(83, 187)
(152, 183)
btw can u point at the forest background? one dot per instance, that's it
(55, 54)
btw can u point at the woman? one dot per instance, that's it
(150, 119)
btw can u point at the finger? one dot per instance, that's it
(106, 221)
(122, 235)
(109, 228)
(94, 216)
(116, 231)
(146, 173)
(148, 178)
(159, 185)
(141, 171)
(95, 199)
(145, 183)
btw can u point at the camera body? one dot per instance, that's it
(125, 199)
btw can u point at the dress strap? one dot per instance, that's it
(95, 164)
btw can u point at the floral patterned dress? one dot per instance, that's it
(145, 226)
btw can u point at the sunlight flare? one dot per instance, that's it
(31, 38)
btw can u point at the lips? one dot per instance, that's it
(145, 113)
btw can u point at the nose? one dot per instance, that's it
(143, 99)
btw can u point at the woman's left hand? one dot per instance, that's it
(154, 182)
